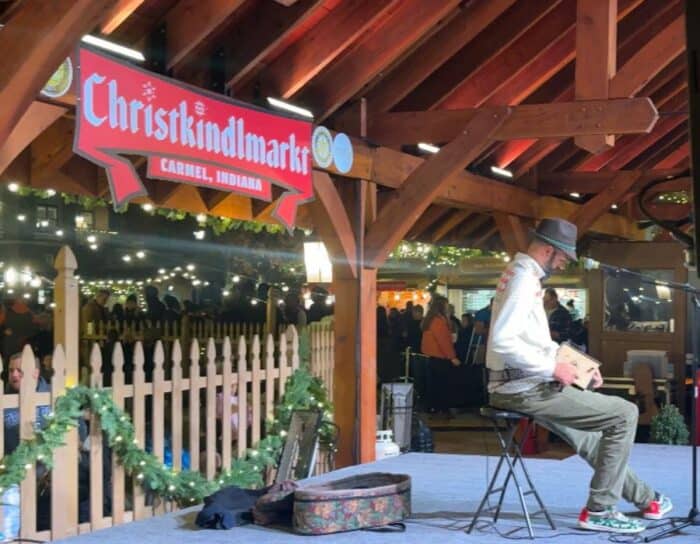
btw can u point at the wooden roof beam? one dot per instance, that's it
(560, 183)
(118, 14)
(513, 232)
(494, 74)
(262, 30)
(558, 120)
(35, 40)
(330, 218)
(191, 22)
(566, 93)
(463, 189)
(423, 185)
(35, 120)
(481, 240)
(421, 63)
(672, 160)
(450, 223)
(596, 60)
(491, 41)
(431, 215)
(586, 215)
(649, 60)
(306, 57)
(372, 53)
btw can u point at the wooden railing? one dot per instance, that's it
(178, 407)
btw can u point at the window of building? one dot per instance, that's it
(84, 220)
(46, 217)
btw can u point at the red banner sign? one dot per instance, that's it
(188, 135)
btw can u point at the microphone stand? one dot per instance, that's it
(676, 524)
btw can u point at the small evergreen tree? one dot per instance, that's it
(668, 427)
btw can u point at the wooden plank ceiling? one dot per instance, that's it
(402, 56)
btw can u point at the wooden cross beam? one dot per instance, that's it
(331, 219)
(587, 214)
(557, 120)
(596, 60)
(424, 184)
(34, 42)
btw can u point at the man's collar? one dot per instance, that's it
(531, 264)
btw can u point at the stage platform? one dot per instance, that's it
(446, 490)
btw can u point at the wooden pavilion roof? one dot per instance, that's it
(401, 56)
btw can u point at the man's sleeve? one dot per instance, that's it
(510, 324)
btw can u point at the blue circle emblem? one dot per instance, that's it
(342, 153)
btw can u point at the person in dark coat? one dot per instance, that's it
(558, 316)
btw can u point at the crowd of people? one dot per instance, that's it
(446, 354)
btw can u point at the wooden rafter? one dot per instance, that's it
(309, 55)
(672, 160)
(34, 42)
(493, 75)
(559, 183)
(431, 215)
(649, 60)
(424, 184)
(560, 89)
(372, 53)
(262, 30)
(36, 120)
(418, 66)
(495, 38)
(559, 120)
(118, 14)
(513, 232)
(331, 219)
(453, 221)
(586, 215)
(481, 240)
(596, 60)
(190, 22)
(471, 226)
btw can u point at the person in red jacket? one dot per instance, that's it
(437, 344)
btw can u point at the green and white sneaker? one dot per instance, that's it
(609, 521)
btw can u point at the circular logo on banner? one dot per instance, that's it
(342, 153)
(59, 83)
(322, 147)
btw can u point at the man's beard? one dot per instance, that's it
(548, 267)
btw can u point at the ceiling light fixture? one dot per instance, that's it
(502, 172)
(286, 106)
(122, 50)
(575, 195)
(428, 148)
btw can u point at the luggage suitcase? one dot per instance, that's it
(359, 502)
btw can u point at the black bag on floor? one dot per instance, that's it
(421, 436)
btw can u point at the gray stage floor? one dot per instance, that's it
(446, 490)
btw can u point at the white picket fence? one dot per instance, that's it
(181, 408)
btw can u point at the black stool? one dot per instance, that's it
(510, 454)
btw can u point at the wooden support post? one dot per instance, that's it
(596, 60)
(65, 323)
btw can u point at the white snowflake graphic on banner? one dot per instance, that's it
(149, 91)
(199, 108)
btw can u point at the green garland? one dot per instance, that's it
(303, 391)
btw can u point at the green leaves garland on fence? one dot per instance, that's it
(303, 391)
